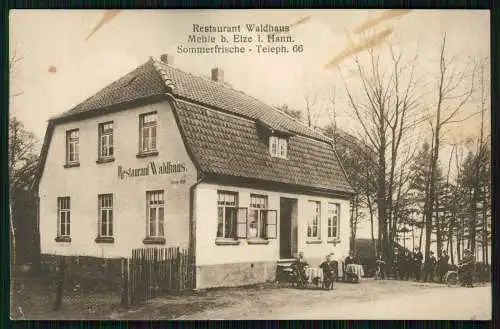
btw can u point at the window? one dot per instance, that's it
(156, 209)
(282, 145)
(257, 217)
(63, 217)
(72, 141)
(148, 129)
(105, 215)
(106, 140)
(333, 220)
(313, 224)
(227, 210)
(278, 146)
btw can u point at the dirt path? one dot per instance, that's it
(369, 300)
(435, 304)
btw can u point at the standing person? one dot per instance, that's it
(429, 267)
(328, 272)
(381, 266)
(442, 265)
(403, 265)
(466, 269)
(418, 263)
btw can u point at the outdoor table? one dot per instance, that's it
(313, 272)
(356, 269)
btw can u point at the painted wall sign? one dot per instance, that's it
(158, 168)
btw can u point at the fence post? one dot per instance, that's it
(60, 283)
(125, 294)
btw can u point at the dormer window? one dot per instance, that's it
(278, 146)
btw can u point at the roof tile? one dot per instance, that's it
(228, 144)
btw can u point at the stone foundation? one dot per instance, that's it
(234, 274)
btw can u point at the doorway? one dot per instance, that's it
(288, 228)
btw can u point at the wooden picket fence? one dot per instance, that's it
(160, 271)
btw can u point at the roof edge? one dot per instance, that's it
(276, 186)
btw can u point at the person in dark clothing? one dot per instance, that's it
(381, 266)
(466, 269)
(329, 269)
(403, 264)
(429, 268)
(442, 266)
(350, 259)
(418, 264)
(300, 266)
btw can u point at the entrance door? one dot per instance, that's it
(288, 227)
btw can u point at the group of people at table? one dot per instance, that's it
(407, 265)
(330, 270)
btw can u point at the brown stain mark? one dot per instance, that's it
(386, 15)
(108, 16)
(359, 47)
(52, 69)
(300, 21)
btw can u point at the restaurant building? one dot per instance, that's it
(163, 158)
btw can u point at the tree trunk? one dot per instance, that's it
(370, 208)
(12, 238)
(450, 239)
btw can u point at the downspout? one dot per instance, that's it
(192, 225)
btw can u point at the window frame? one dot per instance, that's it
(65, 202)
(75, 143)
(261, 216)
(157, 207)
(336, 206)
(223, 204)
(109, 135)
(278, 146)
(109, 210)
(314, 213)
(149, 126)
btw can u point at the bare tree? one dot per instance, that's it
(455, 86)
(384, 111)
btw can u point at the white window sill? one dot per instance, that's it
(333, 240)
(105, 160)
(63, 239)
(144, 154)
(72, 164)
(314, 241)
(226, 242)
(257, 241)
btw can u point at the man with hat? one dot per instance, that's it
(466, 268)
(429, 267)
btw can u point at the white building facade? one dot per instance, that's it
(161, 158)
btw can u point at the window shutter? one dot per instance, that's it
(271, 224)
(241, 227)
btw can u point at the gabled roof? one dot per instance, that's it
(232, 146)
(220, 127)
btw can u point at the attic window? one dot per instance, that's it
(278, 146)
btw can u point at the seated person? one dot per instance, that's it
(350, 259)
(300, 265)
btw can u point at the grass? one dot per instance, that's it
(33, 299)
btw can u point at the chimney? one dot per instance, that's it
(218, 75)
(167, 59)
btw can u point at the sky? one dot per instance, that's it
(62, 63)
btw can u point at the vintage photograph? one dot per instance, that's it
(250, 164)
